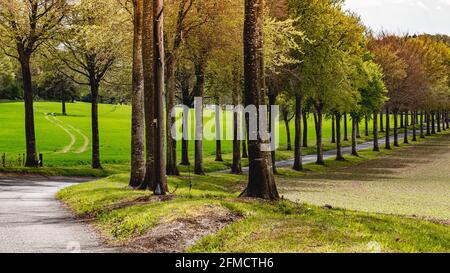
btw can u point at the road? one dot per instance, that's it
(33, 221)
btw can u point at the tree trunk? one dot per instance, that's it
(30, 136)
(288, 130)
(438, 121)
(433, 123)
(160, 183)
(244, 141)
(396, 140)
(376, 146)
(354, 138)
(272, 101)
(402, 124)
(422, 133)
(137, 102)
(236, 167)
(149, 115)
(95, 132)
(185, 125)
(358, 133)
(339, 156)
(261, 179)
(320, 160)
(388, 129)
(218, 133)
(381, 122)
(428, 123)
(405, 138)
(63, 104)
(298, 162)
(333, 129)
(171, 167)
(414, 122)
(305, 130)
(199, 93)
(366, 122)
(345, 128)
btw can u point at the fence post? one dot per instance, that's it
(41, 160)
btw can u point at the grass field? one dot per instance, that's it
(205, 215)
(65, 140)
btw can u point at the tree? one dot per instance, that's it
(137, 101)
(25, 26)
(89, 50)
(261, 181)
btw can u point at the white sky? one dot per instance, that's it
(401, 16)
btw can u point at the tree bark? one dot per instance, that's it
(358, 132)
(354, 138)
(333, 129)
(149, 94)
(320, 160)
(422, 133)
(298, 162)
(172, 168)
(433, 123)
(272, 101)
(339, 156)
(376, 146)
(185, 125)
(414, 122)
(218, 133)
(199, 93)
(388, 129)
(405, 138)
(63, 104)
(428, 123)
(95, 131)
(160, 183)
(438, 121)
(402, 124)
(345, 128)
(244, 142)
(288, 130)
(382, 122)
(236, 167)
(366, 122)
(261, 180)
(137, 102)
(30, 135)
(305, 130)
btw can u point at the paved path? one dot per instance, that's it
(33, 221)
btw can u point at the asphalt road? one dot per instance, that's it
(33, 221)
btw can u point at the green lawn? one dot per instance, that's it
(135, 219)
(56, 143)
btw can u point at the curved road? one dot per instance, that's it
(33, 221)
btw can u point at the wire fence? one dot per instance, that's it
(16, 160)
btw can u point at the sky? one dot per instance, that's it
(404, 16)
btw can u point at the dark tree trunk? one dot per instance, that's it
(160, 183)
(438, 121)
(137, 100)
(149, 115)
(185, 125)
(218, 133)
(366, 122)
(199, 93)
(354, 138)
(305, 130)
(402, 124)
(63, 104)
(333, 129)
(171, 165)
(422, 133)
(388, 129)
(428, 123)
(244, 142)
(261, 178)
(288, 130)
(405, 138)
(320, 160)
(358, 133)
(272, 101)
(339, 156)
(376, 146)
(433, 123)
(95, 132)
(298, 162)
(345, 128)
(396, 138)
(236, 167)
(30, 136)
(382, 122)
(414, 122)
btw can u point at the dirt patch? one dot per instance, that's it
(178, 235)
